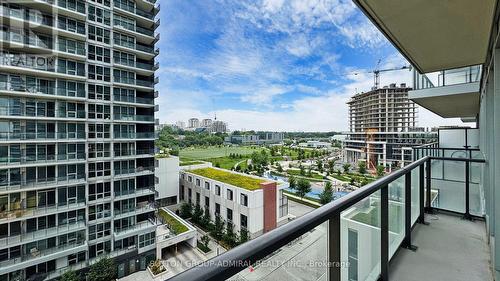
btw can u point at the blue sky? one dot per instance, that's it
(270, 64)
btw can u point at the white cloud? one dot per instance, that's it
(264, 96)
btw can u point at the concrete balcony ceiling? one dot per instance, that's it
(435, 35)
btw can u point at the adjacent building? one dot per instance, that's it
(167, 180)
(77, 140)
(383, 127)
(258, 138)
(246, 201)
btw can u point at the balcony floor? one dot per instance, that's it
(450, 248)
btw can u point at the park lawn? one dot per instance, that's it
(216, 152)
(225, 162)
(235, 179)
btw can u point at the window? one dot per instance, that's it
(207, 202)
(99, 92)
(123, 94)
(76, 258)
(217, 209)
(124, 187)
(99, 131)
(124, 58)
(99, 249)
(124, 40)
(99, 15)
(101, 73)
(244, 221)
(198, 198)
(229, 194)
(99, 211)
(198, 182)
(124, 131)
(229, 215)
(99, 34)
(71, 25)
(106, 3)
(99, 169)
(99, 150)
(70, 67)
(244, 200)
(146, 239)
(71, 46)
(99, 230)
(126, 23)
(97, 53)
(74, 5)
(122, 76)
(70, 110)
(207, 185)
(217, 190)
(190, 178)
(99, 190)
(70, 88)
(99, 111)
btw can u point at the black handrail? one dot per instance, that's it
(234, 261)
(241, 257)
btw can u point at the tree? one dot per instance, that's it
(69, 275)
(205, 240)
(319, 164)
(346, 167)
(243, 235)
(279, 168)
(380, 170)
(197, 214)
(230, 236)
(362, 167)
(292, 182)
(303, 187)
(218, 229)
(205, 221)
(186, 210)
(331, 165)
(327, 194)
(103, 270)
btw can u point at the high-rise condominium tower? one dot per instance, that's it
(76, 135)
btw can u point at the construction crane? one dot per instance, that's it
(376, 73)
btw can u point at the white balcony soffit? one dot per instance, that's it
(454, 101)
(435, 35)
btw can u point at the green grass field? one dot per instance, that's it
(215, 152)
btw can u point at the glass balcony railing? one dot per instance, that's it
(129, 8)
(142, 118)
(448, 77)
(356, 236)
(36, 253)
(35, 235)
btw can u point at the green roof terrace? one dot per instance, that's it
(235, 179)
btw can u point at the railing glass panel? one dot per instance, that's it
(396, 214)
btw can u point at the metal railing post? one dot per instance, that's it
(428, 186)
(421, 192)
(384, 233)
(334, 248)
(407, 239)
(467, 189)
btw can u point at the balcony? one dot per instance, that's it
(434, 90)
(38, 256)
(46, 233)
(373, 233)
(140, 227)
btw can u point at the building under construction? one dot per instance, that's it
(383, 127)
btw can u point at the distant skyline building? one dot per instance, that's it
(206, 123)
(218, 127)
(193, 123)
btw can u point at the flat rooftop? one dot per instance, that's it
(236, 179)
